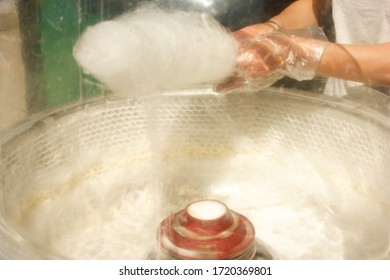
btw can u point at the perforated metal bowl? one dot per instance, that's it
(94, 180)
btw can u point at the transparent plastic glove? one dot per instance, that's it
(254, 30)
(264, 59)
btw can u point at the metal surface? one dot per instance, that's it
(206, 230)
(95, 180)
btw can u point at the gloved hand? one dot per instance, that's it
(254, 30)
(266, 58)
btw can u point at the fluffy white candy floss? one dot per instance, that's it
(152, 50)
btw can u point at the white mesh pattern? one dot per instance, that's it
(196, 125)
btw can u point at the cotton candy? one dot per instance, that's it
(152, 50)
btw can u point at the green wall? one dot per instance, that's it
(61, 23)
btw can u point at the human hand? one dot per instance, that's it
(263, 59)
(256, 30)
(258, 61)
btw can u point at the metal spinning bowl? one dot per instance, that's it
(94, 180)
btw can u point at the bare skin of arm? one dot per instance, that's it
(369, 64)
(291, 17)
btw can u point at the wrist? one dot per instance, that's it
(304, 57)
(276, 26)
(276, 23)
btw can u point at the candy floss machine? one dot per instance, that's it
(281, 173)
(96, 180)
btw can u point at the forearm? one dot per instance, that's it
(369, 64)
(297, 15)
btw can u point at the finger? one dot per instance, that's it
(258, 61)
